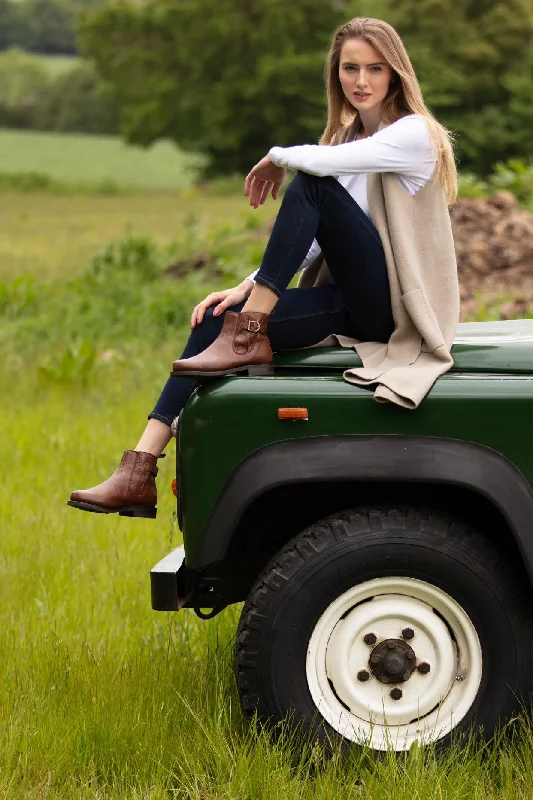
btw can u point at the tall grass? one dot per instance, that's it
(100, 697)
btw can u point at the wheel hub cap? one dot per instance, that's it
(392, 661)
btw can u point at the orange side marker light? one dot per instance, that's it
(293, 413)
(175, 487)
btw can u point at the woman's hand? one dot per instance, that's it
(265, 176)
(224, 299)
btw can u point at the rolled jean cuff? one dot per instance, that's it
(268, 284)
(161, 418)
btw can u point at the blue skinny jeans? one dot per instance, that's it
(358, 305)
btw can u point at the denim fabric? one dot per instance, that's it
(358, 305)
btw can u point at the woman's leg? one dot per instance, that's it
(312, 207)
(302, 317)
(321, 208)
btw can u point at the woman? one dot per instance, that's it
(374, 209)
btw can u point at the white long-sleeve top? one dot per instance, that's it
(404, 148)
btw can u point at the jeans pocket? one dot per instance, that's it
(424, 319)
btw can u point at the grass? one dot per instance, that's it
(55, 235)
(58, 64)
(101, 698)
(95, 159)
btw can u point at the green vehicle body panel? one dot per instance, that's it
(487, 398)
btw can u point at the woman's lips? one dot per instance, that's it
(361, 96)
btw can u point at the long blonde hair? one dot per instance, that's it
(404, 96)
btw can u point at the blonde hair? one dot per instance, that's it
(404, 96)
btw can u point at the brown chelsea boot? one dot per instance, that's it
(241, 346)
(129, 492)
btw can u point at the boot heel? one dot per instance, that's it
(260, 370)
(138, 511)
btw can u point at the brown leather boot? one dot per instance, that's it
(130, 491)
(241, 346)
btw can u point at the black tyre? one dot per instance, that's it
(387, 626)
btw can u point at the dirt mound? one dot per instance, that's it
(494, 246)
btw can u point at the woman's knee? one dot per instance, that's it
(204, 333)
(309, 184)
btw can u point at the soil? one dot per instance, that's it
(494, 246)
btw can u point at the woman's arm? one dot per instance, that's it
(405, 147)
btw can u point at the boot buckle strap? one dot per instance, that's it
(253, 326)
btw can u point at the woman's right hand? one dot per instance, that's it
(224, 300)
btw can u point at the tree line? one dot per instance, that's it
(40, 26)
(232, 78)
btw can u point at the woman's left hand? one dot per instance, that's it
(263, 178)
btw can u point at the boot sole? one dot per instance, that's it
(257, 370)
(122, 511)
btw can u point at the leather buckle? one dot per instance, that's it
(253, 322)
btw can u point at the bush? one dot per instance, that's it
(126, 294)
(76, 102)
(72, 102)
(24, 84)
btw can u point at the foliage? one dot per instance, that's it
(77, 102)
(40, 26)
(517, 177)
(23, 86)
(514, 176)
(47, 26)
(222, 78)
(41, 182)
(233, 78)
(123, 294)
(72, 100)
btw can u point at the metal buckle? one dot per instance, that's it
(253, 322)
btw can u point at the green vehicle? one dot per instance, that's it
(384, 556)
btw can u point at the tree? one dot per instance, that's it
(76, 101)
(229, 79)
(48, 26)
(233, 78)
(469, 57)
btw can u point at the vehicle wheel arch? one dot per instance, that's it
(287, 485)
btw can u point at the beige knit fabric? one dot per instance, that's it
(417, 238)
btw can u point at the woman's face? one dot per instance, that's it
(364, 75)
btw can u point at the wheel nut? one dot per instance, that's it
(363, 675)
(370, 638)
(408, 633)
(424, 668)
(375, 659)
(396, 694)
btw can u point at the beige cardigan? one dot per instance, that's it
(417, 238)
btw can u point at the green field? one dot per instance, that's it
(101, 698)
(56, 235)
(95, 159)
(57, 65)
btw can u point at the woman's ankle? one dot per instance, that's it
(261, 299)
(155, 438)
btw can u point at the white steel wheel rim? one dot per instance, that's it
(432, 704)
